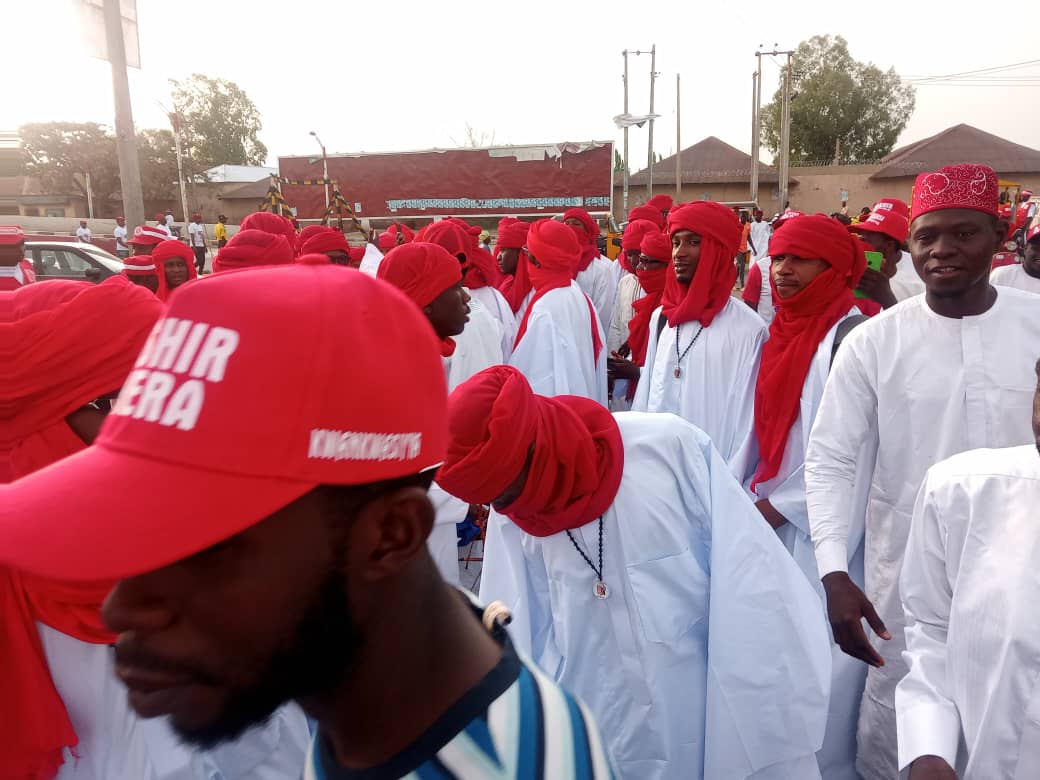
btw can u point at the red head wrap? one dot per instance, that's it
(512, 234)
(800, 325)
(388, 238)
(967, 186)
(357, 254)
(646, 212)
(307, 232)
(422, 271)
(51, 372)
(479, 267)
(577, 461)
(164, 251)
(142, 265)
(661, 202)
(636, 231)
(327, 240)
(252, 248)
(719, 229)
(586, 237)
(270, 223)
(658, 246)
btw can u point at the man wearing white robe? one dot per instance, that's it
(556, 348)
(666, 605)
(702, 363)
(1024, 275)
(760, 233)
(494, 304)
(932, 376)
(599, 279)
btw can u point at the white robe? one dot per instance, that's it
(599, 282)
(1014, 276)
(498, 307)
(629, 291)
(766, 310)
(906, 283)
(920, 387)
(760, 235)
(116, 744)
(716, 391)
(970, 589)
(709, 659)
(370, 262)
(556, 353)
(786, 493)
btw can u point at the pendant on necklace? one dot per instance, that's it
(677, 373)
(601, 590)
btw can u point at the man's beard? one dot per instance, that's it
(324, 644)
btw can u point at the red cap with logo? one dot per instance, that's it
(890, 217)
(967, 186)
(201, 444)
(148, 235)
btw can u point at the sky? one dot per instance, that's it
(418, 75)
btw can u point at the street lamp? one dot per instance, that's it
(324, 169)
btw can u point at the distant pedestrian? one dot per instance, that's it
(220, 231)
(197, 241)
(83, 232)
(120, 235)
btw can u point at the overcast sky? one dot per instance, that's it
(412, 75)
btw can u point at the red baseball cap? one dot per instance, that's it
(889, 222)
(1033, 232)
(146, 235)
(255, 387)
(11, 235)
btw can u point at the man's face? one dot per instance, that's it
(219, 640)
(176, 272)
(507, 260)
(575, 223)
(223, 220)
(649, 264)
(953, 250)
(151, 281)
(196, 220)
(686, 253)
(338, 257)
(1031, 257)
(792, 274)
(11, 255)
(758, 217)
(888, 248)
(449, 311)
(633, 255)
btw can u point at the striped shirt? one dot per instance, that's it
(515, 723)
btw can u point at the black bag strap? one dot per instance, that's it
(661, 322)
(845, 327)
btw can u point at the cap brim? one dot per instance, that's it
(105, 514)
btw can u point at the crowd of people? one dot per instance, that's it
(772, 527)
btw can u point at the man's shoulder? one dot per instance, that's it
(1016, 463)
(739, 317)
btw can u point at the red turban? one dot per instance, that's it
(646, 212)
(166, 250)
(307, 232)
(967, 186)
(577, 462)
(661, 202)
(357, 254)
(143, 265)
(422, 271)
(327, 240)
(388, 238)
(479, 267)
(720, 230)
(658, 246)
(252, 248)
(586, 237)
(50, 371)
(512, 234)
(633, 238)
(801, 323)
(270, 222)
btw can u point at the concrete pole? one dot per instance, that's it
(180, 165)
(624, 173)
(678, 142)
(756, 125)
(650, 138)
(126, 139)
(90, 197)
(785, 136)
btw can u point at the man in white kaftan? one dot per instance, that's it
(599, 281)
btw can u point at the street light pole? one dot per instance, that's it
(324, 169)
(624, 173)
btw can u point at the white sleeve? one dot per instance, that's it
(642, 397)
(927, 721)
(743, 445)
(606, 293)
(618, 333)
(846, 419)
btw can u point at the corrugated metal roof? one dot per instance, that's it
(959, 144)
(711, 161)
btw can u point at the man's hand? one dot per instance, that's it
(931, 768)
(619, 368)
(846, 606)
(769, 512)
(876, 286)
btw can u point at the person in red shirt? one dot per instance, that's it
(15, 270)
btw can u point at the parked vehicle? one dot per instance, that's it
(68, 260)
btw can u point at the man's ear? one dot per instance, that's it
(390, 532)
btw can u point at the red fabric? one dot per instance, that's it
(28, 276)
(633, 238)
(357, 254)
(646, 212)
(587, 237)
(52, 372)
(753, 286)
(422, 271)
(479, 267)
(719, 229)
(482, 270)
(787, 215)
(165, 250)
(967, 186)
(658, 247)
(661, 202)
(11, 235)
(869, 307)
(251, 249)
(307, 232)
(512, 234)
(800, 325)
(327, 240)
(577, 462)
(388, 238)
(555, 247)
(148, 235)
(270, 223)
(888, 218)
(1000, 259)
(1033, 232)
(144, 265)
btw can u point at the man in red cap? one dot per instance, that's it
(141, 270)
(937, 375)
(1024, 275)
(703, 344)
(64, 712)
(251, 249)
(885, 230)
(512, 262)
(15, 269)
(595, 275)
(816, 265)
(173, 264)
(295, 566)
(611, 536)
(560, 346)
(145, 239)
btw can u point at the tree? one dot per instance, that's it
(157, 154)
(841, 109)
(61, 154)
(219, 123)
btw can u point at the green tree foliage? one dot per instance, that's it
(157, 155)
(841, 109)
(61, 154)
(219, 123)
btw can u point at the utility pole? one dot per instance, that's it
(650, 140)
(90, 196)
(126, 139)
(756, 125)
(678, 143)
(785, 134)
(324, 170)
(175, 120)
(624, 173)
